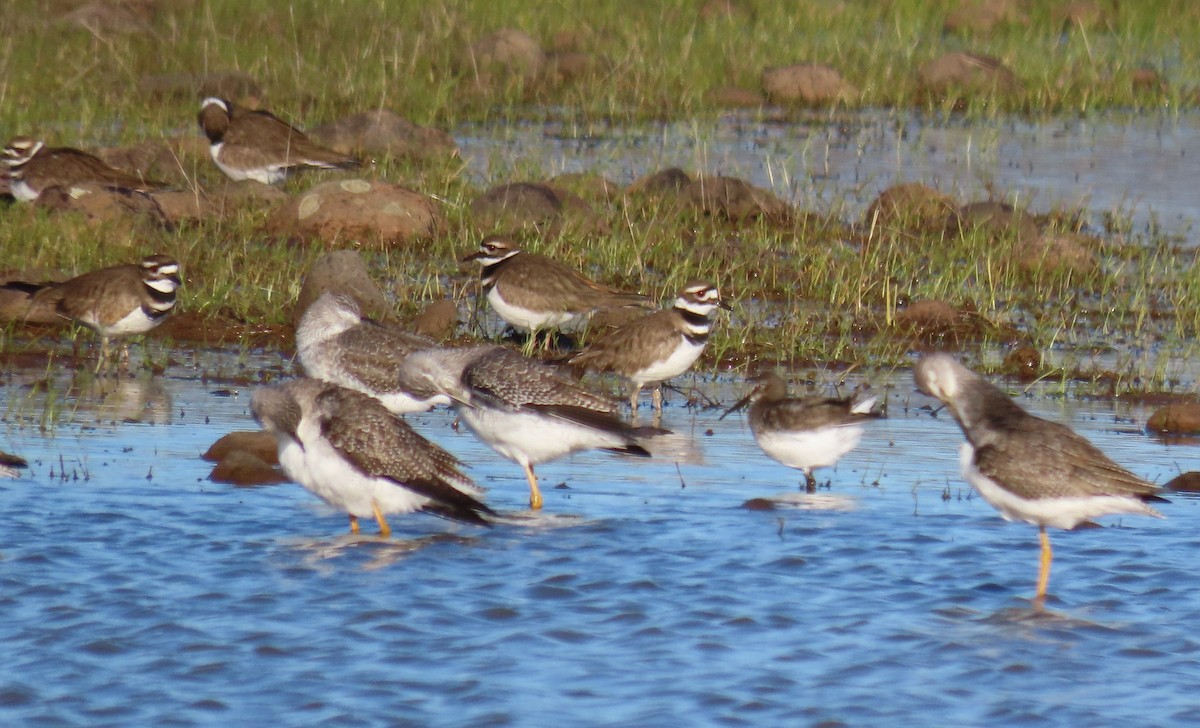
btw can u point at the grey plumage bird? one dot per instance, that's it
(523, 409)
(1028, 468)
(348, 450)
(802, 433)
(336, 343)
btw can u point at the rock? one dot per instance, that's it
(385, 133)
(810, 84)
(260, 444)
(1146, 80)
(735, 199)
(759, 504)
(507, 53)
(516, 206)
(664, 183)
(566, 66)
(179, 206)
(1175, 419)
(1184, 483)
(910, 207)
(1057, 251)
(101, 205)
(997, 219)
(342, 271)
(1024, 362)
(244, 469)
(152, 159)
(438, 321)
(358, 211)
(983, 16)
(928, 318)
(966, 72)
(230, 195)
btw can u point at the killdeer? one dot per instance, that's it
(532, 292)
(345, 448)
(335, 343)
(117, 301)
(257, 145)
(804, 433)
(1028, 468)
(33, 168)
(523, 409)
(660, 346)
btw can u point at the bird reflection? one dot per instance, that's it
(125, 399)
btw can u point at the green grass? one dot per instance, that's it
(813, 291)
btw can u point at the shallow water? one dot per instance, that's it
(1134, 166)
(135, 591)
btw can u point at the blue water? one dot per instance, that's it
(136, 592)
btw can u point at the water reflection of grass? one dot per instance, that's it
(811, 291)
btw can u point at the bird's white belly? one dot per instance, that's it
(267, 175)
(532, 439)
(525, 319)
(809, 449)
(330, 477)
(680, 360)
(22, 191)
(134, 322)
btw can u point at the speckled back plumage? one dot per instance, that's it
(505, 376)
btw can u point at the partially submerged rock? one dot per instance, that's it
(385, 133)
(244, 469)
(910, 207)
(255, 442)
(1188, 482)
(1181, 418)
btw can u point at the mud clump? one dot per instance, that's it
(376, 214)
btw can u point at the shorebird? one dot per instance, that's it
(337, 344)
(523, 409)
(117, 301)
(655, 348)
(257, 145)
(345, 448)
(534, 293)
(1028, 468)
(33, 167)
(806, 433)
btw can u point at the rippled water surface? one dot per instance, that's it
(1140, 167)
(137, 592)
